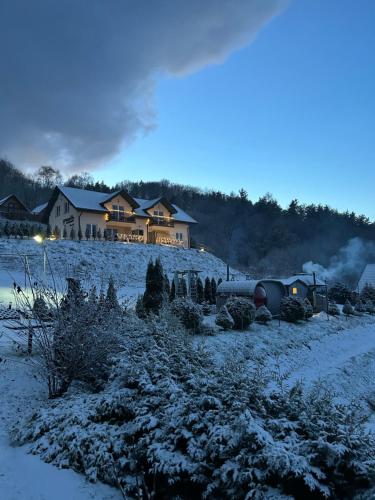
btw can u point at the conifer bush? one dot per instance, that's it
(263, 315)
(242, 311)
(348, 309)
(189, 313)
(292, 309)
(333, 310)
(224, 319)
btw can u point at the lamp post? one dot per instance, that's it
(39, 239)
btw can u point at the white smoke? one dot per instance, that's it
(347, 265)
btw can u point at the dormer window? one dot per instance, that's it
(158, 213)
(118, 213)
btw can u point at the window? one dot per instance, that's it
(179, 236)
(138, 232)
(66, 207)
(58, 208)
(294, 290)
(158, 213)
(118, 213)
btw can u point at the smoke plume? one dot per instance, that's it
(347, 265)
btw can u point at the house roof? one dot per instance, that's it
(240, 287)
(37, 210)
(307, 279)
(16, 197)
(368, 277)
(93, 201)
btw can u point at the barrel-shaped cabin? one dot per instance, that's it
(266, 292)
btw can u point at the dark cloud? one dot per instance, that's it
(77, 76)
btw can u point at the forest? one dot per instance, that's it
(259, 237)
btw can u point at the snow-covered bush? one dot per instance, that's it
(368, 293)
(360, 307)
(370, 307)
(348, 309)
(309, 311)
(242, 311)
(206, 308)
(333, 310)
(339, 292)
(292, 309)
(189, 313)
(224, 319)
(173, 424)
(263, 315)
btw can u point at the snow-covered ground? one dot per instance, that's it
(338, 351)
(96, 261)
(24, 476)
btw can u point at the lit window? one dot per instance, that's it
(294, 290)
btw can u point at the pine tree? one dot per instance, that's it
(348, 309)
(207, 290)
(57, 232)
(80, 236)
(65, 233)
(167, 286)
(111, 297)
(72, 234)
(99, 234)
(87, 232)
(94, 232)
(49, 231)
(155, 287)
(213, 290)
(200, 291)
(172, 293)
(219, 281)
(7, 229)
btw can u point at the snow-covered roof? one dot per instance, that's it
(241, 287)
(368, 277)
(94, 200)
(5, 199)
(39, 208)
(307, 279)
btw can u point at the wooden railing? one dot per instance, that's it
(161, 221)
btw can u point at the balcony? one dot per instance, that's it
(161, 221)
(119, 217)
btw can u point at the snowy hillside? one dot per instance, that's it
(96, 261)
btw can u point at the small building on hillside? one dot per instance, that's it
(11, 207)
(367, 277)
(118, 216)
(270, 292)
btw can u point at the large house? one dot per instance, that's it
(118, 216)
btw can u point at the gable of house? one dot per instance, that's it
(368, 277)
(12, 203)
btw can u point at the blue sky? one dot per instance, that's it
(292, 114)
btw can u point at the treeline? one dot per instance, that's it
(258, 236)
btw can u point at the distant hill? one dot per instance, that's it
(256, 236)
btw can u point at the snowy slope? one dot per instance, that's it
(339, 352)
(24, 476)
(96, 261)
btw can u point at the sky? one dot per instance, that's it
(266, 95)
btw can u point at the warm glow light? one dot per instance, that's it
(294, 290)
(106, 217)
(38, 238)
(201, 249)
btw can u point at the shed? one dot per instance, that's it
(275, 291)
(367, 278)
